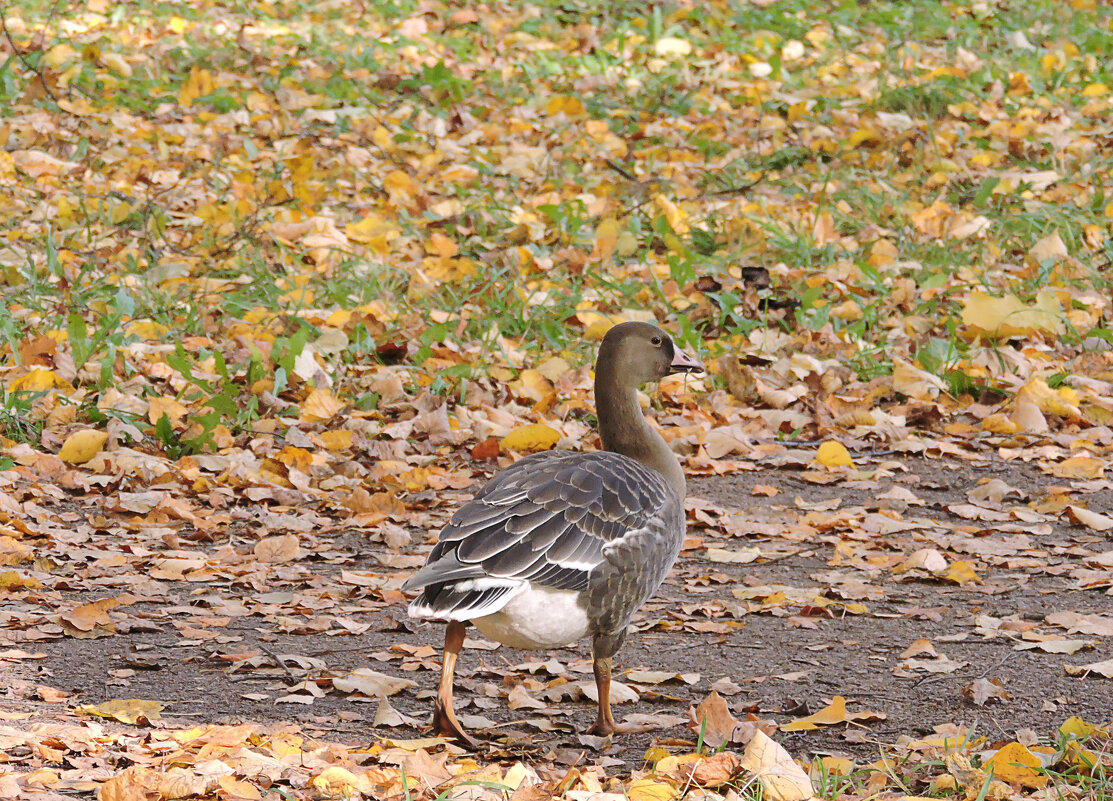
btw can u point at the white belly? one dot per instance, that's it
(536, 619)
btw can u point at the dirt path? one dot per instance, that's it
(205, 646)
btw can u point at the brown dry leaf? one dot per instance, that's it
(1055, 646)
(916, 383)
(712, 720)
(781, 778)
(1080, 516)
(387, 715)
(740, 556)
(994, 491)
(371, 683)
(716, 770)
(927, 559)
(919, 647)
(86, 617)
(1101, 668)
(1075, 623)
(980, 691)
(273, 550)
(1078, 467)
(138, 782)
(320, 406)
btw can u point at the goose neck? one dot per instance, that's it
(624, 429)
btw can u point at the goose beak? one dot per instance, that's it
(683, 363)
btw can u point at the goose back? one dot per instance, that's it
(599, 524)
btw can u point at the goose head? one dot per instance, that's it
(633, 354)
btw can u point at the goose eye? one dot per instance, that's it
(656, 341)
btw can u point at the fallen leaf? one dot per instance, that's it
(273, 550)
(82, 446)
(980, 691)
(533, 437)
(1084, 517)
(832, 714)
(712, 720)
(371, 683)
(1015, 764)
(130, 710)
(1101, 668)
(833, 454)
(781, 778)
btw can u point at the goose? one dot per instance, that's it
(562, 545)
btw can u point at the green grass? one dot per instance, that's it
(748, 163)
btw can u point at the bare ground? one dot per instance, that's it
(785, 664)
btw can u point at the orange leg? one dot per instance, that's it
(444, 717)
(604, 723)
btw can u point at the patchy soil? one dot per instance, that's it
(186, 645)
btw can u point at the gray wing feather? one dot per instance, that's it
(554, 519)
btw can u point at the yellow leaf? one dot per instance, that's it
(883, 253)
(321, 405)
(1015, 764)
(372, 229)
(650, 790)
(39, 380)
(1061, 402)
(11, 581)
(147, 329)
(833, 454)
(533, 437)
(400, 187)
(125, 710)
(837, 766)
(672, 46)
(1049, 249)
(569, 106)
(960, 572)
(828, 716)
(847, 311)
(533, 385)
(441, 245)
(1079, 467)
(1095, 90)
(58, 55)
(553, 368)
(117, 63)
(337, 440)
(999, 424)
(1075, 726)
(1009, 316)
(674, 215)
(199, 84)
(170, 407)
(339, 782)
(606, 238)
(81, 446)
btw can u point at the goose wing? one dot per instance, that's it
(551, 520)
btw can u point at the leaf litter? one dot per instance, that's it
(270, 319)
